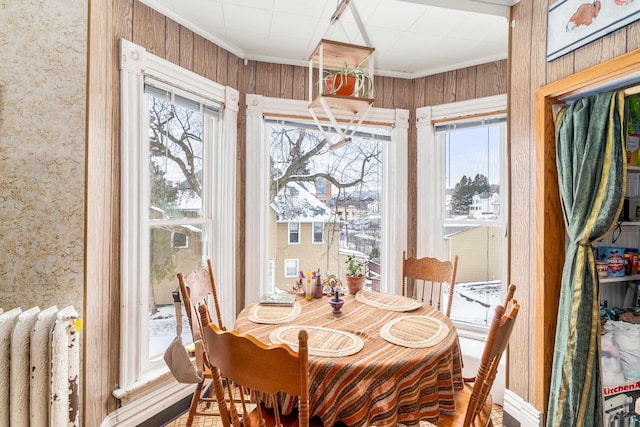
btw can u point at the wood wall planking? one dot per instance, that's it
(186, 48)
(520, 189)
(167, 39)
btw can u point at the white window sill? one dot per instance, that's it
(144, 399)
(150, 381)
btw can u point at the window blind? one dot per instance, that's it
(182, 101)
(463, 125)
(327, 128)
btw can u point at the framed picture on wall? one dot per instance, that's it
(574, 23)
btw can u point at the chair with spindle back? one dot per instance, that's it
(473, 403)
(267, 369)
(432, 271)
(195, 288)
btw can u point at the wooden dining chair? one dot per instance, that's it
(473, 403)
(195, 288)
(432, 274)
(264, 369)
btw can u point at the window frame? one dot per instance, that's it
(430, 192)
(313, 233)
(395, 155)
(136, 65)
(289, 230)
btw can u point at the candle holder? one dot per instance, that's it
(336, 303)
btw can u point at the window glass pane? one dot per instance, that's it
(335, 196)
(318, 232)
(165, 261)
(478, 284)
(175, 154)
(474, 218)
(291, 267)
(294, 232)
(472, 173)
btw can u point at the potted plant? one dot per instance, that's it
(348, 82)
(355, 278)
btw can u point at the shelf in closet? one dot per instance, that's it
(633, 169)
(620, 279)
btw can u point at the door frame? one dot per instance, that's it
(549, 223)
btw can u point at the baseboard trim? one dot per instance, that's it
(523, 412)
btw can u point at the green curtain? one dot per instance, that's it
(591, 159)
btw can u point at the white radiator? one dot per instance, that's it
(39, 367)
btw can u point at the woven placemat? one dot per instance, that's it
(322, 341)
(274, 314)
(387, 301)
(414, 331)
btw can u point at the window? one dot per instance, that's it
(318, 232)
(368, 217)
(466, 193)
(174, 170)
(291, 268)
(179, 240)
(294, 232)
(321, 188)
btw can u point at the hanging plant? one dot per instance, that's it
(348, 82)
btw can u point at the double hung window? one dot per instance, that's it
(346, 201)
(464, 195)
(178, 179)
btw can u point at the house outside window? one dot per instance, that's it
(318, 232)
(175, 162)
(294, 233)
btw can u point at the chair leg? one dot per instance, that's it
(194, 404)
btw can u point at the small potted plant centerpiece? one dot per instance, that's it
(348, 82)
(355, 278)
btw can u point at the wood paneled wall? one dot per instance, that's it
(529, 70)
(134, 21)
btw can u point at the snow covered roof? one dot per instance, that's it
(451, 230)
(294, 203)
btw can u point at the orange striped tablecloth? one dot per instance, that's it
(384, 384)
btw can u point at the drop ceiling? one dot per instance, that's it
(412, 38)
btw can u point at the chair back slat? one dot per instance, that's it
(431, 273)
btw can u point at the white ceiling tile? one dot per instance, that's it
(397, 14)
(312, 8)
(285, 24)
(286, 47)
(241, 18)
(436, 21)
(254, 4)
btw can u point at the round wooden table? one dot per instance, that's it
(383, 384)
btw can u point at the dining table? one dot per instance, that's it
(383, 360)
